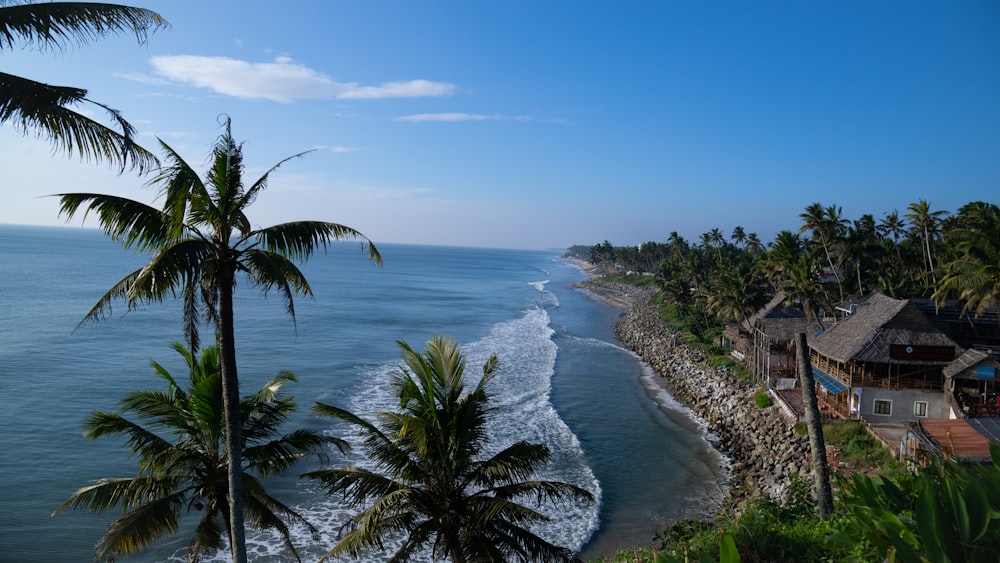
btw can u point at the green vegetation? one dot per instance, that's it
(435, 488)
(45, 109)
(762, 400)
(947, 511)
(718, 282)
(200, 240)
(178, 439)
(859, 450)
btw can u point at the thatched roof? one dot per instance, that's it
(969, 359)
(782, 321)
(878, 324)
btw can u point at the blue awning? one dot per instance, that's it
(828, 382)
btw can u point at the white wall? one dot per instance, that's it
(902, 404)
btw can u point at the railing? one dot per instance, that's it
(785, 406)
(885, 441)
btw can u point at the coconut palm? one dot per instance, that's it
(178, 438)
(974, 275)
(47, 109)
(437, 491)
(826, 224)
(802, 285)
(926, 227)
(784, 251)
(200, 240)
(739, 236)
(753, 244)
(737, 294)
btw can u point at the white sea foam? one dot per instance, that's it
(545, 298)
(520, 393)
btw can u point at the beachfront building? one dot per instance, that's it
(884, 363)
(765, 342)
(972, 380)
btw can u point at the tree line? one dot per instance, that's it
(922, 252)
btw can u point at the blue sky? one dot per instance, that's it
(548, 123)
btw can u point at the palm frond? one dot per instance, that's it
(516, 462)
(355, 483)
(268, 513)
(135, 224)
(543, 491)
(138, 439)
(55, 24)
(44, 109)
(275, 456)
(181, 189)
(271, 269)
(251, 193)
(207, 535)
(125, 492)
(142, 527)
(120, 290)
(177, 265)
(369, 528)
(299, 240)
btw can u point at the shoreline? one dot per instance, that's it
(763, 451)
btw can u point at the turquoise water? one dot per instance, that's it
(564, 381)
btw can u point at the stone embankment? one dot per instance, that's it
(763, 449)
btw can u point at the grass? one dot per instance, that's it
(762, 400)
(859, 450)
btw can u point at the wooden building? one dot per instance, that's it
(765, 342)
(972, 380)
(884, 362)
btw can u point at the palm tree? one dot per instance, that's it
(46, 109)
(974, 275)
(802, 285)
(926, 226)
(436, 490)
(739, 236)
(738, 293)
(200, 240)
(753, 244)
(892, 224)
(826, 224)
(785, 250)
(178, 439)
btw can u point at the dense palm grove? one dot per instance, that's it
(943, 512)
(923, 252)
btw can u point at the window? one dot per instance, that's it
(920, 408)
(883, 407)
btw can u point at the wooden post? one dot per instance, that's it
(821, 472)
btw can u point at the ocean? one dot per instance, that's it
(564, 381)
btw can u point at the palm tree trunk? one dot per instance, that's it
(234, 422)
(930, 260)
(833, 271)
(821, 474)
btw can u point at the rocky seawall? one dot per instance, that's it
(763, 449)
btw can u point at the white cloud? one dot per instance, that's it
(336, 149)
(421, 117)
(456, 117)
(282, 80)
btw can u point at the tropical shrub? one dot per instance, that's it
(762, 400)
(948, 511)
(178, 438)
